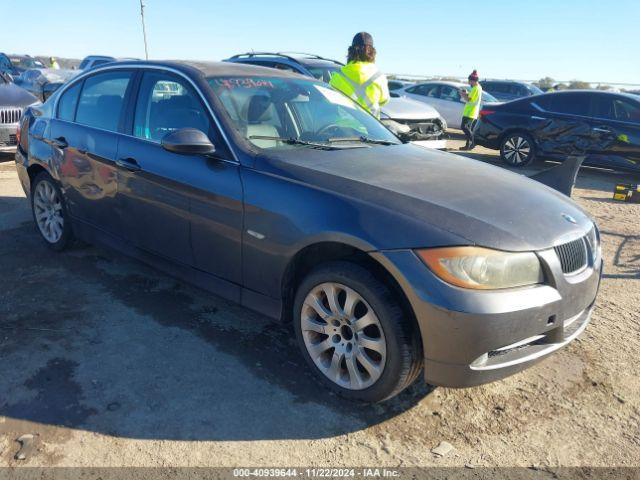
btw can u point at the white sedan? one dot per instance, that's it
(444, 97)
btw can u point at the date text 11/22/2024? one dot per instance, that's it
(317, 472)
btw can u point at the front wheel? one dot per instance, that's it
(517, 149)
(50, 213)
(354, 334)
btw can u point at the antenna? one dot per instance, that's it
(144, 31)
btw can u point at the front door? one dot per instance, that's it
(186, 208)
(450, 105)
(85, 136)
(616, 131)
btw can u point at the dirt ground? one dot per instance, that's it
(108, 362)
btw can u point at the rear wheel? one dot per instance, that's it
(354, 334)
(50, 213)
(517, 149)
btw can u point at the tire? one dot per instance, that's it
(372, 352)
(517, 149)
(50, 212)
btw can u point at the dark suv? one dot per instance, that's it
(506, 90)
(275, 191)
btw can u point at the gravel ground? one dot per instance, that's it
(108, 362)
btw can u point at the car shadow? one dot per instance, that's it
(93, 340)
(628, 265)
(7, 156)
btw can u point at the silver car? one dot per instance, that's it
(444, 97)
(13, 101)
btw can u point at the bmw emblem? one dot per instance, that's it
(569, 218)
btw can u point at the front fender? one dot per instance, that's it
(284, 216)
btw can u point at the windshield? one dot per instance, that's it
(534, 90)
(323, 73)
(488, 98)
(281, 113)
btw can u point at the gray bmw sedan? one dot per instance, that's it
(276, 192)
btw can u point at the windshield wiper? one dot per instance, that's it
(363, 139)
(295, 141)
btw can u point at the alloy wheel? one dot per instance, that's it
(343, 336)
(516, 150)
(48, 211)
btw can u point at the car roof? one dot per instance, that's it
(99, 57)
(294, 57)
(442, 82)
(517, 82)
(592, 92)
(207, 69)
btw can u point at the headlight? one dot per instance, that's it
(483, 268)
(593, 237)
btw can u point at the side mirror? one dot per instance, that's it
(187, 141)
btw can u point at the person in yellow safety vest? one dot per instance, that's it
(471, 109)
(360, 79)
(53, 63)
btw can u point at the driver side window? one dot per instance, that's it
(166, 104)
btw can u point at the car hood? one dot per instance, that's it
(406, 109)
(483, 204)
(12, 95)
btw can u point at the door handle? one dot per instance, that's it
(128, 164)
(60, 142)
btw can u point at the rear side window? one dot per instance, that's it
(166, 104)
(68, 101)
(283, 66)
(102, 99)
(566, 103)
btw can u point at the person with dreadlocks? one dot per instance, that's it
(360, 79)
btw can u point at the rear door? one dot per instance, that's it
(186, 208)
(450, 105)
(85, 138)
(616, 131)
(562, 123)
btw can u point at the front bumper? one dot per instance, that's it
(8, 141)
(427, 131)
(471, 337)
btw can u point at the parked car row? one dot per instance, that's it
(516, 117)
(14, 65)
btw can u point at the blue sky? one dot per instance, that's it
(570, 39)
